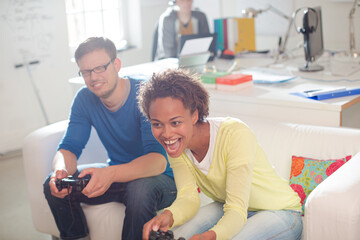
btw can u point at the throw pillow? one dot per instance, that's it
(307, 173)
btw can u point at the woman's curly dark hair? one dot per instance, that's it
(178, 84)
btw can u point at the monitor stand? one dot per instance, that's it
(311, 67)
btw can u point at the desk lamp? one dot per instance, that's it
(353, 52)
(252, 13)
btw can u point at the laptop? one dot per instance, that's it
(197, 49)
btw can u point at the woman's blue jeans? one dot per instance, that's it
(260, 225)
(142, 198)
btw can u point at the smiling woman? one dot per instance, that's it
(172, 124)
(223, 158)
(176, 107)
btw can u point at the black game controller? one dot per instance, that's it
(161, 235)
(77, 184)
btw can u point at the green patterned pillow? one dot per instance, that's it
(307, 173)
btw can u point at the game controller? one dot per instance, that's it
(77, 184)
(162, 235)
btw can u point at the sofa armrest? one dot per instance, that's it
(39, 149)
(332, 210)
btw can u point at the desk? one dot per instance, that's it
(275, 102)
(271, 101)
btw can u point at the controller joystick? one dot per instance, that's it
(162, 235)
(77, 184)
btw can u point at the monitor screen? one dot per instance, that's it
(212, 48)
(313, 36)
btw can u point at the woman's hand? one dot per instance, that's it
(162, 221)
(208, 235)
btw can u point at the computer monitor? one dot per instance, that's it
(313, 38)
(212, 48)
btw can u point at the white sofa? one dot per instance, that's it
(332, 209)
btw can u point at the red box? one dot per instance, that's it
(234, 81)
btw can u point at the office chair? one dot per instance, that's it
(155, 42)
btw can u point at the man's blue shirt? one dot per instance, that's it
(126, 134)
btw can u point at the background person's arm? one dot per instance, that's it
(167, 36)
(203, 23)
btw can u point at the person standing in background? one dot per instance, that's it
(178, 19)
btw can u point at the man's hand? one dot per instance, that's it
(101, 180)
(64, 164)
(208, 235)
(58, 174)
(163, 222)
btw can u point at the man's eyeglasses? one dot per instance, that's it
(99, 69)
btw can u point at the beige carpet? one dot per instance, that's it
(15, 216)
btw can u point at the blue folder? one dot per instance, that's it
(344, 93)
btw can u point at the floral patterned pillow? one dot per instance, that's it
(307, 173)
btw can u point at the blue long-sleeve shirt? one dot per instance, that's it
(125, 134)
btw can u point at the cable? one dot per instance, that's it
(71, 210)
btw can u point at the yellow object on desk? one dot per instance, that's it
(245, 34)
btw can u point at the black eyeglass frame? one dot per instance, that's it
(98, 69)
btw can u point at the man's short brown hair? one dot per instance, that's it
(95, 43)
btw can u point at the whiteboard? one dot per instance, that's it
(32, 31)
(29, 26)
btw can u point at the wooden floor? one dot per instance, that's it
(15, 216)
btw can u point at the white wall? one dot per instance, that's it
(38, 32)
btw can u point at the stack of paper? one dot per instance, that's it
(266, 76)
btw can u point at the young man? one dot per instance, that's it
(137, 174)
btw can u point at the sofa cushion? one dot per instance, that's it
(307, 173)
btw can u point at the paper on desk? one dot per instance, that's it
(266, 76)
(194, 46)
